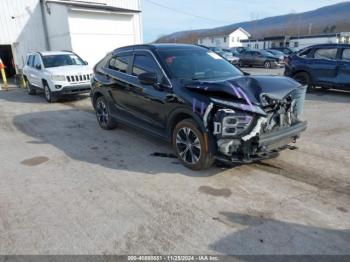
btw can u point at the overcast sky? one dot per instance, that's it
(158, 20)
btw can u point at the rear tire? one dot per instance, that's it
(190, 146)
(304, 79)
(31, 91)
(103, 115)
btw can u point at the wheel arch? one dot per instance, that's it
(180, 114)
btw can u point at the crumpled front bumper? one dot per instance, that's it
(261, 146)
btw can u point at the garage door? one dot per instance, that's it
(93, 34)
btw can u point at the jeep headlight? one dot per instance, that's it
(59, 78)
(228, 123)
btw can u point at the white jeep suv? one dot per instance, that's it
(56, 73)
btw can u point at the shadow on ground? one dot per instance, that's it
(20, 96)
(259, 233)
(78, 135)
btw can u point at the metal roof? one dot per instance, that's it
(100, 6)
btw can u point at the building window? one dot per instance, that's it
(256, 46)
(225, 39)
(296, 44)
(273, 45)
(233, 39)
(238, 39)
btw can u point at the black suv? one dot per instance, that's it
(192, 97)
(327, 66)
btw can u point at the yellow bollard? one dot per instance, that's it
(3, 75)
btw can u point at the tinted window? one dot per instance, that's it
(36, 60)
(197, 64)
(329, 53)
(119, 63)
(144, 64)
(346, 54)
(62, 60)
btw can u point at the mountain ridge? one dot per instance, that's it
(328, 19)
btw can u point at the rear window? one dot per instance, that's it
(119, 63)
(346, 54)
(326, 53)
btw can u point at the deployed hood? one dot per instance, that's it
(70, 70)
(250, 89)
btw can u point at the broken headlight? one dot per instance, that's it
(228, 123)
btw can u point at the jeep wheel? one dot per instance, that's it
(31, 91)
(103, 115)
(304, 79)
(267, 65)
(190, 146)
(49, 96)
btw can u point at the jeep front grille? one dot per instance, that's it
(78, 78)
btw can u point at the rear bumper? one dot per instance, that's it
(73, 90)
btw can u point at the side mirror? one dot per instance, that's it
(246, 73)
(86, 62)
(38, 66)
(148, 78)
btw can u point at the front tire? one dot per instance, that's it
(49, 96)
(103, 115)
(190, 146)
(267, 65)
(31, 91)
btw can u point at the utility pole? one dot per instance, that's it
(310, 28)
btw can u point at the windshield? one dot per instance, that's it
(197, 64)
(62, 60)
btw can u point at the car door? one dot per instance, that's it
(29, 68)
(258, 59)
(149, 101)
(343, 78)
(118, 76)
(36, 71)
(247, 58)
(324, 65)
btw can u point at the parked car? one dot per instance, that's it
(259, 58)
(227, 55)
(56, 73)
(235, 55)
(192, 97)
(241, 49)
(326, 66)
(277, 54)
(286, 50)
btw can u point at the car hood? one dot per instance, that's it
(249, 89)
(70, 70)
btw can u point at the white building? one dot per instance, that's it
(298, 42)
(224, 39)
(91, 28)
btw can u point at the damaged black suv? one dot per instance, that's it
(206, 107)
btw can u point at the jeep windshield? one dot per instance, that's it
(62, 60)
(194, 64)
